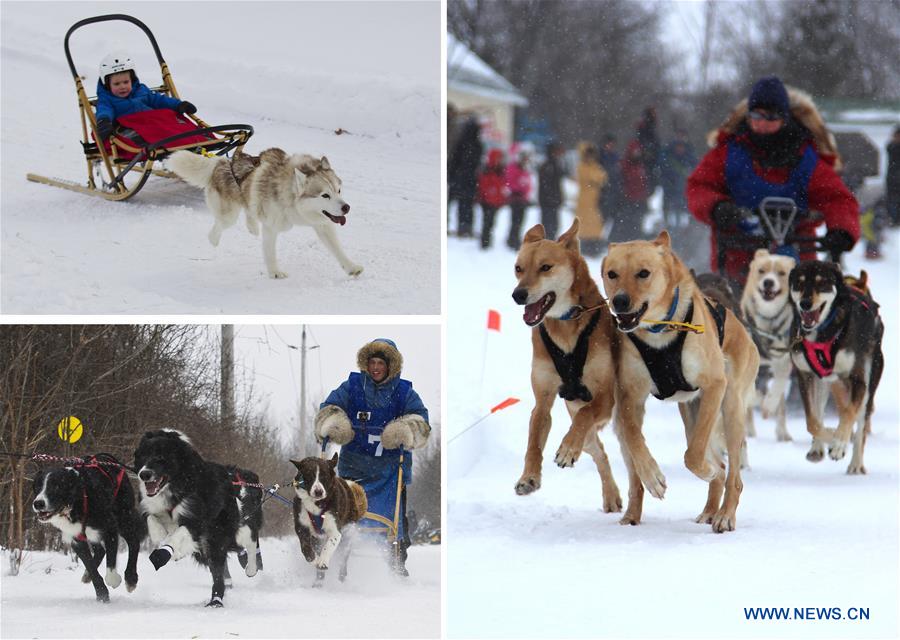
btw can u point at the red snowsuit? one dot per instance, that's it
(492, 181)
(826, 193)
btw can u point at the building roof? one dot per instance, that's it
(468, 73)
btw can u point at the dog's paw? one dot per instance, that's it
(277, 275)
(86, 577)
(630, 518)
(723, 521)
(651, 477)
(612, 501)
(113, 579)
(321, 565)
(103, 595)
(838, 449)
(782, 435)
(816, 452)
(215, 234)
(215, 603)
(856, 468)
(528, 483)
(769, 405)
(353, 270)
(250, 569)
(568, 452)
(253, 226)
(130, 587)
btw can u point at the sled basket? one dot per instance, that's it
(119, 168)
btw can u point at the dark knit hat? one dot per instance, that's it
(769, 93)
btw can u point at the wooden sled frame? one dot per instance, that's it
(109, 167)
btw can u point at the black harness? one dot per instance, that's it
(570, 366)
(664, 364)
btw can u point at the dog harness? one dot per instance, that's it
(93, 463)
(749, 189)
(570, 366)
(664, 364)
(820, 355)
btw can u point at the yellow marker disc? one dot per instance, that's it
(70, 429)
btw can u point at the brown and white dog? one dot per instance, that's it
(710, 374)
(838, 342)
(324, 505)
(572, 341)
(766, 304)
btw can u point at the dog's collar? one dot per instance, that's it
(576, 311)
(661, 327)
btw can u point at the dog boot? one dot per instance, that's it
(161, 556)
(398, 566)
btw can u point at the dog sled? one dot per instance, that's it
(772, 227)
(119, 168)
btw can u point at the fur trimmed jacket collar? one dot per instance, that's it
(803, 110)
(389, 349)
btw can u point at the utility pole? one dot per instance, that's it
(306, 435)
(706, 51)
(226, 411)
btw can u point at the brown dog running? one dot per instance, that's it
(572, 343)
(710, 374)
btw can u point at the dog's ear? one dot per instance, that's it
(663, 239)
(334, 460)
(535, 233)
(569, 239)
(307, 165)
(761, 253)
(324, 165)
(296, 464)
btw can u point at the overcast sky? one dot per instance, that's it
(271, 355)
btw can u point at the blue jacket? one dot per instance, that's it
(140, 99)
(377, 397)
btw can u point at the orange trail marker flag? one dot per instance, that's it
(506, 403)
(493, 320)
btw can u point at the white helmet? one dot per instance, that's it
(115, 63)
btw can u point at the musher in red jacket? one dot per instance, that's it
(775, 143)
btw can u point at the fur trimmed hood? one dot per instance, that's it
(803, 110)
(389, 349)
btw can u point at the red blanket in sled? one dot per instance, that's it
(137, 130)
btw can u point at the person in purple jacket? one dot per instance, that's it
(119, 93)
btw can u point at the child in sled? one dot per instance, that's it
(120, 93)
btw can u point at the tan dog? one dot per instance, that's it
(766, 304)
(554, 284)
(709, 374)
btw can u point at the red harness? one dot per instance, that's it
(820, 355)
(93, 463)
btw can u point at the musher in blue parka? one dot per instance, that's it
(372, 415)
(119, 93)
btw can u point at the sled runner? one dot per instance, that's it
(117, 169)
(385, 514)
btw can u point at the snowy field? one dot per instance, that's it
(48, 600)
(295, 71)
(554, 565)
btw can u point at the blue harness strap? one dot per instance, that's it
(748, 189)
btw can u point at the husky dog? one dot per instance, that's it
(92, 504)
(838, 334)
(572, 341)
(767, 310)
(276, 191)
(710, 373)
(323, 507)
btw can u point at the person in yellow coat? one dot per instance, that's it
(591, 177)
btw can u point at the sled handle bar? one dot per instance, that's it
(148, 150)
(107, 18)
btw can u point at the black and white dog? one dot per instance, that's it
(838, 335)
(189, 505)
(92, 505)
(249, 503)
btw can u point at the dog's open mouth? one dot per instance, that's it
(341, 220)
(152, 487)
(769, 294)
(810, 319)
(43, 516)
(628, 322)
(536, 311)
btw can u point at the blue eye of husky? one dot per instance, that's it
(325, 195)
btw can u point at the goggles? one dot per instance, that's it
(770, 116)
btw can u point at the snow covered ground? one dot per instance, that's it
(296, 72)
(48, 600)
(554, 565)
